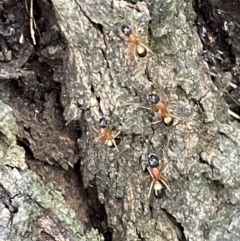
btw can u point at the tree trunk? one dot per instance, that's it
(82, 69)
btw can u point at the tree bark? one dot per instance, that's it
(98, 76)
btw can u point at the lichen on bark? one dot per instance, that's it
(97, 76)
(29, 209)
(101, 77)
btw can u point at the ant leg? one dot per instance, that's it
(149, 170)
(233, 114)
(137, 105)
(116, 134)
(134, 53)
(164, 182)
(164, 178)
(144, 107)
(179, 120)
(155, 122)
(150, 189)
(113, 141)
(115, 145)
(160, 168)
(148, 49)
(161, 165)
(95, 129)
(145, 177)
(176, 117)
(97, 138)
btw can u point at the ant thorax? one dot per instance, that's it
(155, 173)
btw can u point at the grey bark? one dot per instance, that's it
(201, 153)
(29, 209)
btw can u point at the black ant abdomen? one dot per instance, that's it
(141, 51)
(158, 190)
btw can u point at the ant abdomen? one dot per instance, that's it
(141, 51)
(159, 190)
(168, 120)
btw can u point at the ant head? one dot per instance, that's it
(153, 98)
(127, 31)
(103, 123)
(153, 160)
(141, 51)
(159, 190)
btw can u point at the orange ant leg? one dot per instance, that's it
(155, 122)
(152, 183)
(179, 120)
(143, 107)
(150, 172)
(117, 135)
(137, 105)
(97, 138)
(132, 48)
(112, 142)
(145, 177)
(175, 117)
(134, 53)
(161, 165)
(150, 189)
(162, 177)
(160, 168)
(148, 49)
(95, 129)
(164, 182)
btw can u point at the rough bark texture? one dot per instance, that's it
(29, 209)
(197, 151)
(91, 65)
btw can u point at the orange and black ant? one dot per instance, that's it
(158, 178)
(138, 47)
(161, 109)
(106, 133)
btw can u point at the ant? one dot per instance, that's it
(158, 179)
(106, 133)
(138, 47)
(162, 111)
